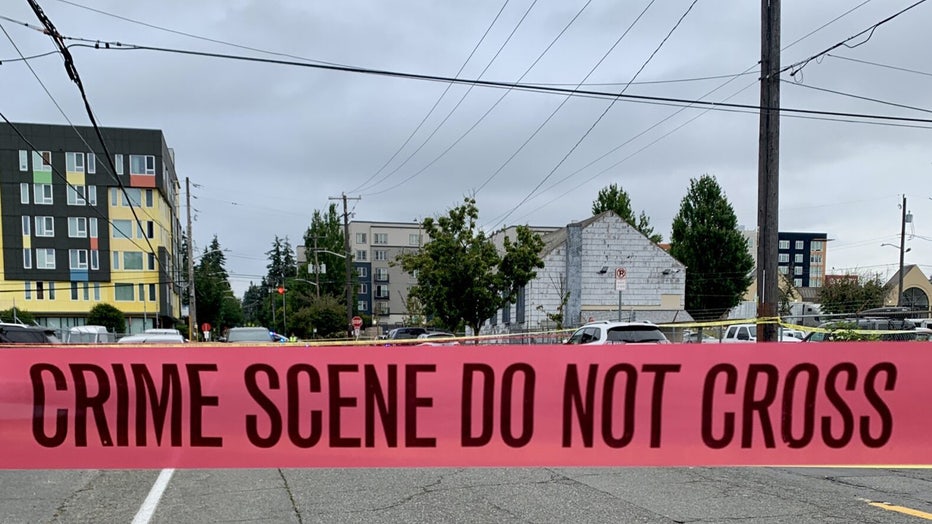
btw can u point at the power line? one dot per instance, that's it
(462, 98)
(885, 66)
(565, 100)
(442, 95)
(599, 119)
(494, 105)
(798, 66)
(859, 97)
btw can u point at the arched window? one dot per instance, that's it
(915, 298)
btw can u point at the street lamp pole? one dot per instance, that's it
(899, 293)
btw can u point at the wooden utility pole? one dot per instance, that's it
(768, 171)
(349, 262)
(192, 306)
(899, 289)
(316, 269)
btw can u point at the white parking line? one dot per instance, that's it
(152, 500)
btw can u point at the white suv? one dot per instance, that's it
(607, 332)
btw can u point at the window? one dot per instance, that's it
(799, 244)
(382, 308)
(76, 195)
(91, 163)
(118, 161)
(86, 296)
(27, 258)
(92, 195)
(783, 258)
(381, 274)
(380, 254)
(97, 291)
(360, 238)
(95, 259)
(363, 289)
(135, 196)
(51, 290)
(27, 221)
(40, 291)
(93, 227)
(142, 292)
(141, 165)
(381, 291)
(23, 160)
(784, 269)
(116, 260)
(123, 292)
(42, 161)
(798, 258)
(151, 292)
(151, 262)
(798, 282)
(361, 272)
(77, 227)
(784, 244)
(42, 193)
(45, 226)
(815, 259)
(24, 193)
(114, 197)
(798, 270)
(28, 290)
(380, 238)
(361, 254)
(362, 305)
(74, 162)
(132, 260)
(148, 198)
(45, 258)
(414, 239)
(122, 229)
(74, 291)
(77, 258)
(816, 245)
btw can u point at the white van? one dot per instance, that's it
(89, 335)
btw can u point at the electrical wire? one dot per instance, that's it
(565, 100)
(885, 66)
(858, 97)
(475, 48)
(599, 119)
(492, 107)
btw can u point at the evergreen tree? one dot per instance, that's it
(706, 239)
(616, 199)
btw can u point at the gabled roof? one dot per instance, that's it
(895, 279)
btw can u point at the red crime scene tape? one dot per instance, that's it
(851, 404)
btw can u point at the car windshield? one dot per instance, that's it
(249, 335)
(634, 334)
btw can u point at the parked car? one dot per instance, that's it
(153, 338)
(89, 335)
(23, 334)
(406, 333)
(437, 338)
(740, 333)
(251, 334)
(608, 332)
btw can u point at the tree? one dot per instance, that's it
(461, 277)
(326, 233)
(615, 199)
(16, 316)
(215, 301)
(108, 316)
(706, 239)
(851, 295)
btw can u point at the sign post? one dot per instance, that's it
(621, 283)
(357, 324)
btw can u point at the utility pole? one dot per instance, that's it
(316, 269)
(192, 306)
(899, 289)
(349, 262)
(768, 171)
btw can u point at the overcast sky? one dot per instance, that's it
(268, 144)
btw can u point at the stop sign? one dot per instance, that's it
(357, 322)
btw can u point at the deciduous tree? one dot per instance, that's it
(706, 239)
(851, 295)
(461, 276)
(108, 316)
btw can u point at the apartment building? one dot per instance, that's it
(72, 237)
(801, 257)
(382, 286)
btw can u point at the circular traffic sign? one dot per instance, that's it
(620, 272)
